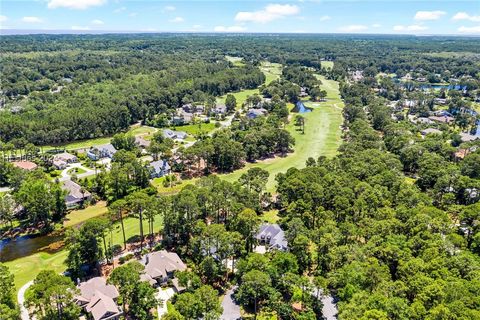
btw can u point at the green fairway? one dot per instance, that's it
(78, 216)
(322, 137)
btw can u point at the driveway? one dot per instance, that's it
(164, 295)
(66, 176)
(231, 310)
(329, 309)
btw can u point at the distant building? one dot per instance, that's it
(99, 299)
(442, 119)
(102, 151)
(255, 113)
(272, 236)
(142, 143)
(167, 133)
(25, 165)
(466, 137)
(441, 101)
(220, 109)
(430, 131)
(159, 168)
(76, 195)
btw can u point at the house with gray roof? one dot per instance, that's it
(167, 133)
(75, 194)
(142, 143)
(219, 109)
(467, 137)
(255, 113)
(159, 168)
(430, 131)
(161, 266)
(272, 236)
(102, 151)
(98, 298)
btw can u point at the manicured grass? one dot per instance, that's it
(76, 217)
(237, 61)
(327, 64)
(241, 96)
(141, 130)
(322, 137)
(76, 170)
(158, 183)
(195, 129)
(80, 144)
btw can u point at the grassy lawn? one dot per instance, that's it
(195, 129)
(76, 217)
(141, 130)
(237, 61)
(322, 137)
(327, 64)
(80, 144)
(158, 183)
(76, 170)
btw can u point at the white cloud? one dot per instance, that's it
(169, 8)
(269, 13)
(32, 20)
(75, 4)
(411, 28)
(177, 20)
(80, 28)
(97, 22)
(475, 29)
(3, 18)
(324, 18)
(376, 25)
(465, 16)
(353, 28)
(229, 29)
(118, 10)
(133, 14)
(429, 15)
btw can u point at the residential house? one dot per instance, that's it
(199, 109)
(76, 194)
(61, 160)
(272, 236)
(422, 79)
(357, 75)
(102, 151)
(25, 165)
(423, 120)
(442, 113)
(255, 113)
(441, 101)
(430, 131)
(142, 143)
(220, 109)
(99, 299)
(461, 153)
(167, 133)
(303, 92)
(159, 168)
(442, 119)
(161, 266)
(183, 117)
(467, 137)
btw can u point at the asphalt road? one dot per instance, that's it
(231, 310)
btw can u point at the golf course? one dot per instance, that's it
(322, 136)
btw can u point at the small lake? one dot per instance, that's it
(23, 246)
(300, 108)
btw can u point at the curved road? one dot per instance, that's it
(21, 300)
(231, 310)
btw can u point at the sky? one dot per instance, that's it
(297, 16)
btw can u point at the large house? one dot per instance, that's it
(167, 133)
(61, 160)
(99, 299)
(160, 266)
(467, 137)
(182, 117)
(272, 236)
(159, 168)
(25, 165)
(142, 143)
(103, 151)
(255, 113)
(76, 195)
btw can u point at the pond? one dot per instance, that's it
(11, 249)
(300, 108)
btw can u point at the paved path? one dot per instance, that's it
(66, 176)
(231, 310)
(5, 189)
(21, 300)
